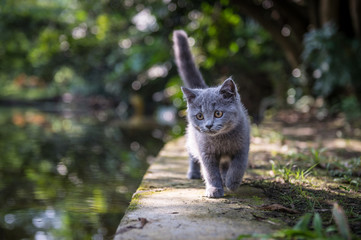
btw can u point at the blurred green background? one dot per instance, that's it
(92, 84)
(120, 51)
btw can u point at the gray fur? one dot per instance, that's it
(187, 69)
(217, 146)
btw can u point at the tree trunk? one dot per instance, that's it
(313, 13)
(329, 11)
(355, 11)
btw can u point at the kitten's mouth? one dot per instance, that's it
(210, 132)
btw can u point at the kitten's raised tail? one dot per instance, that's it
(187, 69)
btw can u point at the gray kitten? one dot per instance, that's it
(218, 127)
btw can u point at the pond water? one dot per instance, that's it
(68, 176)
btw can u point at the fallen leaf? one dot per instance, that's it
(258, 218)
(277, 207)
(142, 221)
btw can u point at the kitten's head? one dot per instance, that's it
(213, 111)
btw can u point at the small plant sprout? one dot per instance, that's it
(289, 172)
(317, 154)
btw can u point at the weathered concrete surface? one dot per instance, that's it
(169, 206)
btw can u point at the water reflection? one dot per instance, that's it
(67, 176)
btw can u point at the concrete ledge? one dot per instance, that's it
(169, 206)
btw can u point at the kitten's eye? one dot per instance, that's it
(200, 116)
(218, 114)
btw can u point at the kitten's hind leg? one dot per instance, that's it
(236, 170)
(194, 170)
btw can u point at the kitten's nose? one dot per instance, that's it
(209, 126)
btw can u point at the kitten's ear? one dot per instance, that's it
(228, 89)
(189, 94)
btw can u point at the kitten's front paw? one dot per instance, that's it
(213, 192)
(194, 175)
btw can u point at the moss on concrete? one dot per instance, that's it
(142, 191)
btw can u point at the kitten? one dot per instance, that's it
(218, 126)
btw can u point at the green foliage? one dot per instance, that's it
(335, 61)
(351, 107)
(110, 52)
(95, 40)
(232, 43)
(309, 227)
(325, 53)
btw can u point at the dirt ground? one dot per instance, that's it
(307, 165)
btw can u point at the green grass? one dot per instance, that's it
(310, 226)
(310, 181)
